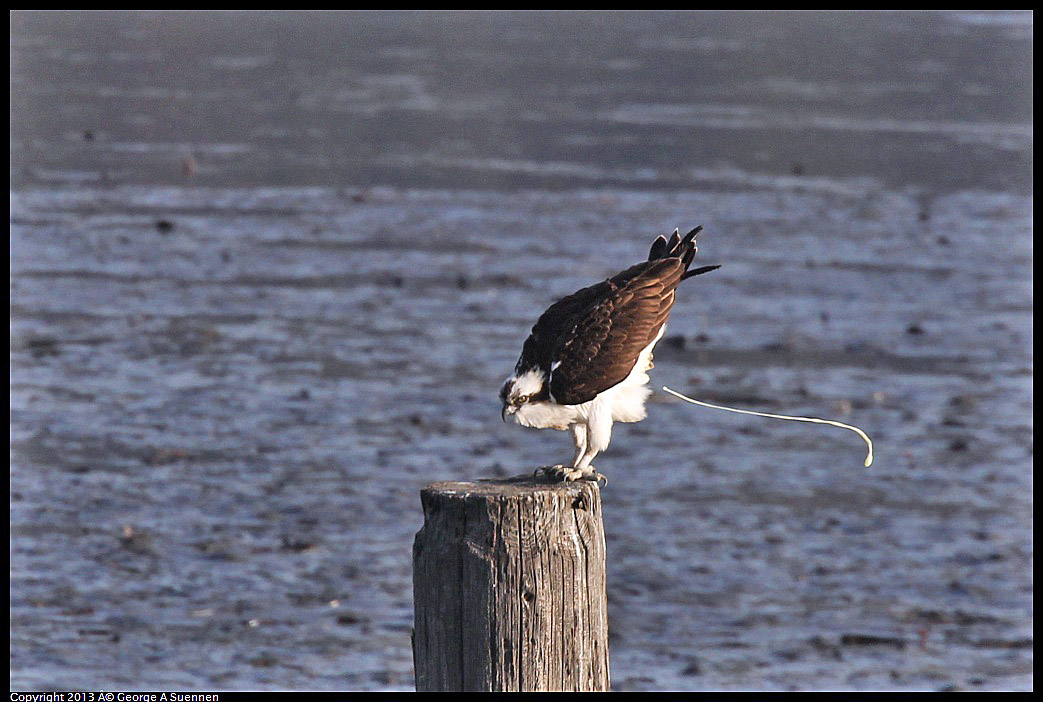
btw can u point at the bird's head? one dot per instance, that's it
(522, 389)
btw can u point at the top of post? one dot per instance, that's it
(516, 486)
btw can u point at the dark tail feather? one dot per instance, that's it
(688, 256)
(687, 249)
(671, 246)
(699, 271)
(658, 248)
(683, 248)
(690, 236)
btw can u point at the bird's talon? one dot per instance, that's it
(567, 474)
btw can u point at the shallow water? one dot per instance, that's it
(268, 272)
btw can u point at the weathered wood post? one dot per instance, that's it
(509, 587)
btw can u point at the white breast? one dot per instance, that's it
(548, 415)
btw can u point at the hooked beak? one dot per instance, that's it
(503, 412)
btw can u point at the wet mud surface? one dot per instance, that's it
(258, 302)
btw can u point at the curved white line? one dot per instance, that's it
(814, 420)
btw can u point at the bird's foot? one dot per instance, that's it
(568, 474)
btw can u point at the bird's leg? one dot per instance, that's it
(569, 474)
(599, 433)
(579, 438)
(580, 468)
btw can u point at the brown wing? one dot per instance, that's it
(589, 341)
(607, 336)
(540, 350)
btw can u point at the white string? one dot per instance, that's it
(814, 420)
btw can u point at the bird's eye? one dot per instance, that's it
(524, 398)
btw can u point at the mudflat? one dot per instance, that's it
(268, 271)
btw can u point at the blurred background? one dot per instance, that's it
(268, 272)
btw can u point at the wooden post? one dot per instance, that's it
(509, 587)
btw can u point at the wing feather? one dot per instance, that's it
(590, 341)
(606, 339)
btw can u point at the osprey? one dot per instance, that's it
(585, 364)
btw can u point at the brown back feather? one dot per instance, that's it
(602, 329)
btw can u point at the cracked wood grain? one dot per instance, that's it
(509, 588)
